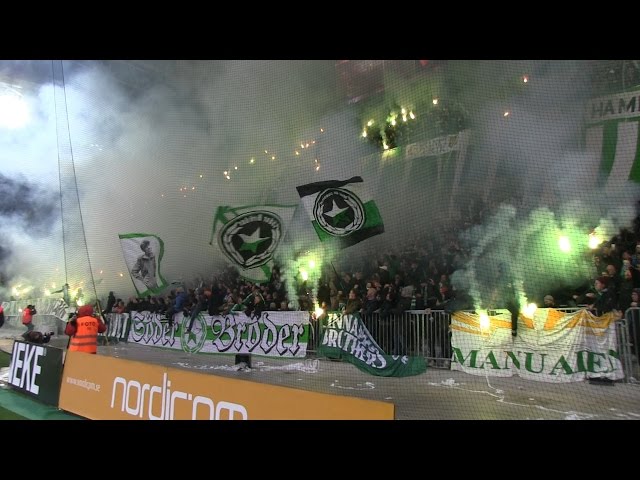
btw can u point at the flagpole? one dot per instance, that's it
(337, 276)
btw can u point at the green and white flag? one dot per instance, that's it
(143, 253)
(249, 236)
(341, 211)
(613, 136)
(345, 337)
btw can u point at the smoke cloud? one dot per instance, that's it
(151, 143)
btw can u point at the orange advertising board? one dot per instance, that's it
(105, 388)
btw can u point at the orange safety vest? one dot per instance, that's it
(86, 337)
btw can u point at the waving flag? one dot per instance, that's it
(249, 236)
(143, 253)
(341, 211)
(613, 136)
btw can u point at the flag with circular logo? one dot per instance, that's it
(341, 211)
(249, 236)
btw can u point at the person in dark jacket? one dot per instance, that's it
(111, 302)
(35, 336)
(605, 300)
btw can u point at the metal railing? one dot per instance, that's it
(412, 332)
(628, 337)
(418, 333)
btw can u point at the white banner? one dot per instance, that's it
(44, 306)
(552, 346)
(436, 146)
(622, 105)
(274, 334)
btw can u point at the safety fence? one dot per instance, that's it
(421, 333)
(628, 337)
(412, 332)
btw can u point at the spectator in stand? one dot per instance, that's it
(385, 276)
(179, 304)
(608, 255)
(635, 298)
(354, 304)
(625, 290)
(633, 317)
(614, 279)
(635, 258)
(65, 294)
(333, 292)
(132, 305)
(84, 330)
(371, 302)
(216, 300)
(324, 293)
(111, 302)
(549, 302)
(119, 307)
(202, 303)
(605, 300)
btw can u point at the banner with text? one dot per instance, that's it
(612, 137)
(346, 337)
(36, 370)
(614, 107)
(274, 334)
(44, 306)
(553, 346)
(437, 146)
(101, 387)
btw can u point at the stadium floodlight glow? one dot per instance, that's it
(14, 112)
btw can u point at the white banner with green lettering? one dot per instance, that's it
(273, 334)
(553, 346)
(612, 137)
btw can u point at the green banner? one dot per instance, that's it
(346, 337)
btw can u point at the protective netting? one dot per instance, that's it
(481, 186)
